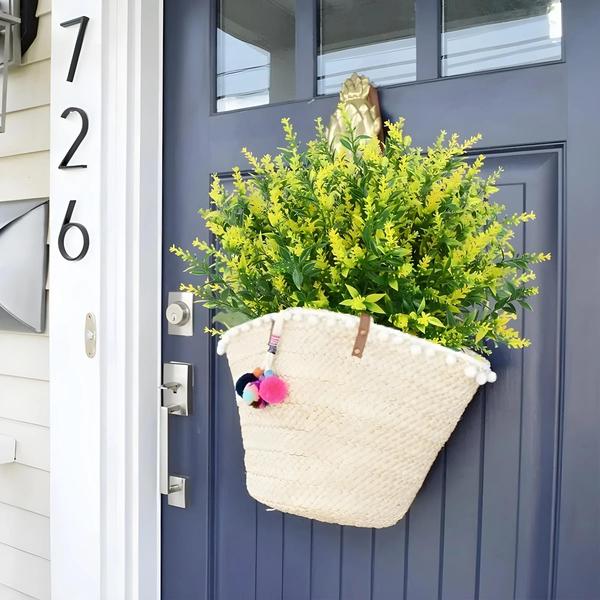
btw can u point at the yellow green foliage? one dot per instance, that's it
(409, 236)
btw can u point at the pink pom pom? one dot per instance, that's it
(273, 389)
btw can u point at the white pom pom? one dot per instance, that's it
(245, 327)
(415, 350)
(430, 352)
(313, 320)
(382, 336)
(265, 319)
(481, 378)
(397, 340)
(350, 323)
(451, 359)
(256, 323)
(470, 371)
(287, 315)
(221, 347)
(491, 377)
(297, 317)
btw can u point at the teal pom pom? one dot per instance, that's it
(250, 393)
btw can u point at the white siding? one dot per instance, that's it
(24, 410)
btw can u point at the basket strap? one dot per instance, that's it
(361, 337)
(274, 337)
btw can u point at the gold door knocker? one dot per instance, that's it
(361, 103)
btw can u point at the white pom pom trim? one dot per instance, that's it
(221, 347)
(470, 371)
(481, 378)
(333, 319)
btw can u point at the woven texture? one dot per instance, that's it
(355, 438)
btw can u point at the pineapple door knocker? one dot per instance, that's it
(361, 103)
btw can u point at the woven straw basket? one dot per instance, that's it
(355, 437)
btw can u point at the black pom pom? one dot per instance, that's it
(243, 381)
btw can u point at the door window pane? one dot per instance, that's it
(255, 52)
(375, 38)
(479, 35)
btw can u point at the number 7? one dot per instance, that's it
(83, 21)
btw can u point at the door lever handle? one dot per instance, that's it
(171, 386)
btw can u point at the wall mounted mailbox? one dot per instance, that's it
(23, 264)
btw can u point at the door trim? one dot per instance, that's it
(105, 508)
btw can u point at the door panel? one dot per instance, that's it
(485, 102)
(486, 523)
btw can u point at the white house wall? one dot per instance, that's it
(24, 407)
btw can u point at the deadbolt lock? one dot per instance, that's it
(179, 313)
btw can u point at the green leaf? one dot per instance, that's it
(525, 305)
(374, 297)
(434, 321)
(346, 143)
(375, 308)
(393, 283)
(481, 333)
(353, 291)
(298, 278)
(230, 319)
(354, 303)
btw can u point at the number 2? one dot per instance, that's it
(64, 163)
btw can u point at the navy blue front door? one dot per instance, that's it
(511, 508)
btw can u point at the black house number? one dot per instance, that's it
(64, 163)
(82, 22)
(67, 224)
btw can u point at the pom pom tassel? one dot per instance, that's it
(261, 388)
(273, 390)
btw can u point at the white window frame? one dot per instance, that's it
(105, 505)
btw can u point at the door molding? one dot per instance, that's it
(105, 516)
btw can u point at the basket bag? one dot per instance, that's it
(359, 429)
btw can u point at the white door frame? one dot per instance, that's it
(105, 505)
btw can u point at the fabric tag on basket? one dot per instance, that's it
(361, 337)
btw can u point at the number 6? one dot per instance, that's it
(63, 232)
